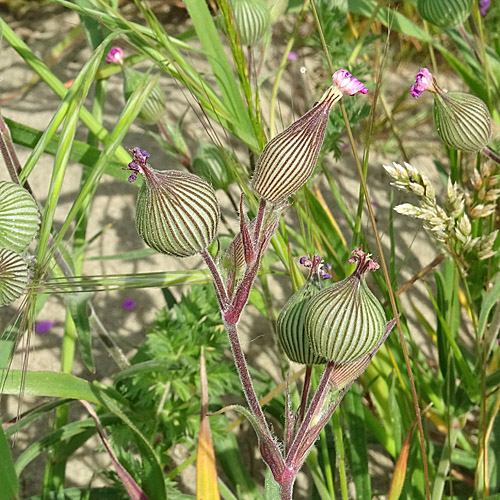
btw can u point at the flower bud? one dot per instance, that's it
(115, 56)
(19, 217)
(290, 324)
(177, 212)
(445, 13)
(213, 164)
(251, 19)
(153, 107)
(13, 276)
(462, 120)
(345, 321)
(288, 160)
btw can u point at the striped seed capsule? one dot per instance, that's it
(290, 324)
(13, 276)
(288, 160)
(252, 20)
(462, 120)
(19, 217)
(445, 13)
(345, 321)
(177, 213)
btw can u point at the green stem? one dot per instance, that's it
(327, 466)
(445, 461)
(339, 448)
(281, 69)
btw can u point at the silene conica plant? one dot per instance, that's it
(341, 325)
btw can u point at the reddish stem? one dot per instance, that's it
(305, 392)
(220, 289)
(293, 454)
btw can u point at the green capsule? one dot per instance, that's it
(13, 276)
(153, 107)
(292, 334)
(252, 20)
(345, 321)
(276, 9)
(288, 160)
(462, 121)
(177, 213)
(19, 217)
(213, 164)
(445, 13)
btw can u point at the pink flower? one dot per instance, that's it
(423, 80)
(115, 55)
(293, 56)
(347, 84)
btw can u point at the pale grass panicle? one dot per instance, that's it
(449, 224)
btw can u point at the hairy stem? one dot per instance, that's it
(318, 399)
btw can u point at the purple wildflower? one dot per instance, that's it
(347, 84)
(115, 55)
(129, 304)
(306, 262)
(316, 265)
(44, 326)
(423, 80)
(293, 56)
(484, 5)
(138, 164)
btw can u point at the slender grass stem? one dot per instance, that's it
(281, 69)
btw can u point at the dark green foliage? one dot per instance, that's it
(165, 395)
(162, 386)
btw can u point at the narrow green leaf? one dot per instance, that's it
(388, 16)
(84, 429)
(78, 308)
(124, 122)
(357, 450)
(153, 482)
(229, 457)
(45, 383)
(133, 254)
(127, 281)
(33, 415)
(80, 152)
(8, 477)
(272, 489)
(471, 381)
(489, 301)
(223, 73)
(75, 99)
(55, 84)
